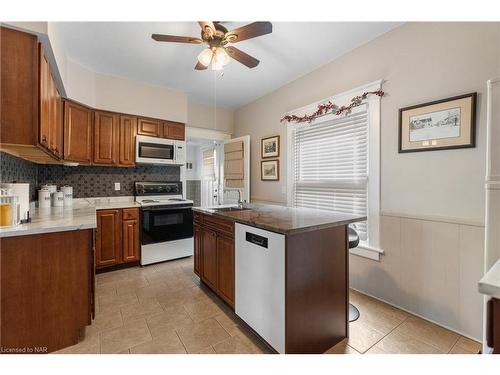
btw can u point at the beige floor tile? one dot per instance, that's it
(429, 333)
(199, 311)
(168, 343)
(363, 336)
(173, 318)
(122, 338)
(208, 350)
(151, 291)
(114, 303)
(106, 320)
(201, 335)
(127, 351)
(105, 290)
(89, 344)
(342, 348)
(131, 285)
(469, 345)
(229, 323)
(143, 309)
(238, 344)
(397, 343)
(379, 320)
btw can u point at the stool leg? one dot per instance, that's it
(353, 313)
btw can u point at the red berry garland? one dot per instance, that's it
(323, 109)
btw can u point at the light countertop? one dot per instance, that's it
(81, 215)
(284, 220)
(490, 283)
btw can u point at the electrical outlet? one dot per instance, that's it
(117, 186)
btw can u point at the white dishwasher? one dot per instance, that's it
(260, 282)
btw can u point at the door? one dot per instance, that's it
(108, 238)
(149, 127)
(197, 237)
(56, 122)
(225, 268)
(77, 133)
(105, 138)
(173, 130)
(130, 235)
(209, 257)
(209, 177)
(235, 170)
(128, 130)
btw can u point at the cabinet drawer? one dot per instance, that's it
(225, 226)
(130, 213)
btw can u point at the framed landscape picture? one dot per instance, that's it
(270, 170)
(270, 147)
(440, 125)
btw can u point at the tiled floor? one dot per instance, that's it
(163, 309)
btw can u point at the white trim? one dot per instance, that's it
(415, 314)
(367, 252)
(210, 134)
(440, 219)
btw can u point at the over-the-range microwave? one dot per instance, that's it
(159, 151)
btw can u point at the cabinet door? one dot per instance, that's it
(197, 237)
(105, 138)
(108, 238)
(149, 127)
(77, 133)
(225, 268)
(44, 101)
(130, 236)
(209, 258)
(173, 130)
(55, 121)
(128, 130)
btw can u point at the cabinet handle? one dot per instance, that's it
(44, 139)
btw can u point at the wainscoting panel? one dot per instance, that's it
(430, 268)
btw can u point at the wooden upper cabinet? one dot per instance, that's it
(173, 130)
(150, 127)
(127, 132)
(77, 133)
(19, 88)
(105, 138)
(108, 238)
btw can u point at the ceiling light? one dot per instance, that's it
(205, 57)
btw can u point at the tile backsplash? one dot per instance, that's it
(87, 181)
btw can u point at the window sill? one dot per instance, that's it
(366, 251)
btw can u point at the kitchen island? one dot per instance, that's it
(284, 270)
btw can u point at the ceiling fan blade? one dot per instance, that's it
(207, 27)
(176, 39)
(249, 31)
(200, 66)
(242, 57)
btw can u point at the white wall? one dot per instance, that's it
(193, 155)
(432, 202)
(210, 117)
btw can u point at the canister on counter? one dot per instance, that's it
(68, 195)
(58, 199)
(44, 198)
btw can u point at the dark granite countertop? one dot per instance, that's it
(284, 220)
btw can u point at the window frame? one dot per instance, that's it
(371, 248)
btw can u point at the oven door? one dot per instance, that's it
(166, 223)
(152, 150)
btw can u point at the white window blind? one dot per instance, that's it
(331, 164)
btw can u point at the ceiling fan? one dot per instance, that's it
(217, 37)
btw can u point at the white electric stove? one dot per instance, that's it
(166, 221)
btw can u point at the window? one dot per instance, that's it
(330, 165)
(334, 165)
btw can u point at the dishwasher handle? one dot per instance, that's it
(256, 239)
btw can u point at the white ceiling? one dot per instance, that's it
(292, 50)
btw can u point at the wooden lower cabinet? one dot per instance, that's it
(117, 237)
(46, 289)
(214, 254)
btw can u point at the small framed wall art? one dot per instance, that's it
(270, 147)
(270, 170)
(440, 125)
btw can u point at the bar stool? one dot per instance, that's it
(353, 242)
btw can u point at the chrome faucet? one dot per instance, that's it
(240, 202)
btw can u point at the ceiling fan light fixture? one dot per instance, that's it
(205, 57)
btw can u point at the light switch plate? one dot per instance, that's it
(117, 186)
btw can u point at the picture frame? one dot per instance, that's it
(270, 170)
(439, 125)
(270, 147)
